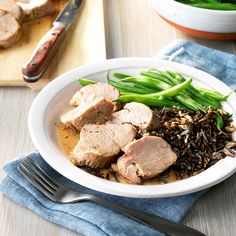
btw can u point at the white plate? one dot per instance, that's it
(54, 99)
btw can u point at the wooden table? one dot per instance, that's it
(132, 29)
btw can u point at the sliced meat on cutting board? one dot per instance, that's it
(137, 114)
(99, 144)
(97, 111)
(35, 8)
(14, 9)
(10, 29)
(89, 92)
(145, 158)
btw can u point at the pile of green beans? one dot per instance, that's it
(162, 88)
(226, 5)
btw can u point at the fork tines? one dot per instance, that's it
(37, 177)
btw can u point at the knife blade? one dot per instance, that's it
(50, 42)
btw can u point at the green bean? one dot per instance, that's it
(147, 82)
(149, 100)
(220, 123)
(171, 92)
(85, 82)
(158, 76)
(200, 101)
(129, 93)
(123, 76)
(213, 94)
(120, 75)
(126, 88)
(189, 102)
(140, 89)
(147, 90)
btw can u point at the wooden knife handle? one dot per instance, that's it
(43, 53)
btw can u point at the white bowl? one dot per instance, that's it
(54, 99)
(200, 22)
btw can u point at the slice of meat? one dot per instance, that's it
(99, 144)
(10, 29)
(137, 114)
(95, 112)
(92, 91)
(35, 8)
(11, 7)
(145, 158)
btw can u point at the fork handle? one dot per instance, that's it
(168, 227)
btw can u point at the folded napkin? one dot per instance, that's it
(88, 218)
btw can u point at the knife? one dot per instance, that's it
(50, 42)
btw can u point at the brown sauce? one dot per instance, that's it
(68, 140)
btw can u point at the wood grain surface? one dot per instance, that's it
(132, 29)
(84, 43)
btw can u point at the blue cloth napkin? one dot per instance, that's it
(89, 218)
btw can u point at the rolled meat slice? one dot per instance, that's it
(35, 8)
(138, 115)
(145, 158)
(97, 111)
(99, 144)
(14, 9)
(90, 92)
(10, 29)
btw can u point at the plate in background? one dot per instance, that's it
(199, 22)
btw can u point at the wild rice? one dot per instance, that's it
(195, 139)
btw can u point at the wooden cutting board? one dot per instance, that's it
(84, 44)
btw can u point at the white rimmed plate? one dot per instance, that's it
(54, 99)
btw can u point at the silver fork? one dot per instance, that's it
(56, 192)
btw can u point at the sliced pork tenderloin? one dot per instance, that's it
(10, 29)
(99, 144)
(11, 7)
(96, 112)
(35, 8)
(89, 92)
(138, 115)
(145, 158)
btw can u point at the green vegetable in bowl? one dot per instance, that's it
(228, 5)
